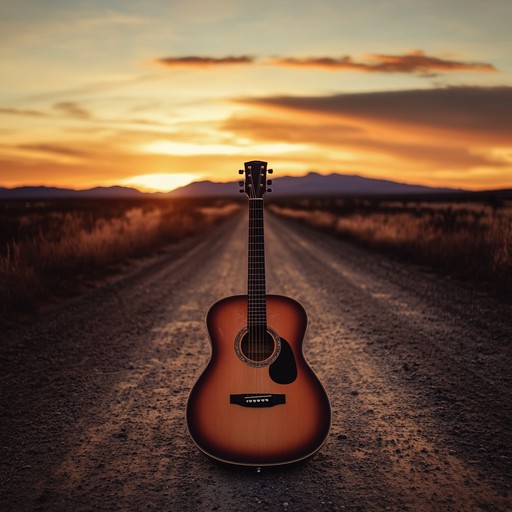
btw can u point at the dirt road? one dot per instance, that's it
(418, 369)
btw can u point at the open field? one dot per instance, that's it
(50, 249)
(54, 248)
(471, 239)
(417, 367)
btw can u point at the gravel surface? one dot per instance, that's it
(418, 369)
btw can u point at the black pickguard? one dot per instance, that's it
(284, 370)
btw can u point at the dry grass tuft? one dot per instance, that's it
(53, 248)
(469, 240)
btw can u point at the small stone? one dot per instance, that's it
(121, 434)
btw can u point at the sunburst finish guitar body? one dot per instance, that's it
(257, 403)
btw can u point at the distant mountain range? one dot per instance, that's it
(63, 193)
(313, 184)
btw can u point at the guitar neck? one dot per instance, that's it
(256, 290)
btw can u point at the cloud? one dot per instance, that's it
(195, 61)
(266, 128)
(54, 149)
(415, 61)
(108, 18)
(483, 111)
(72, 109)
(97, 87)
(66, 108)
(22, 112)
(412, 62)
(333, 136)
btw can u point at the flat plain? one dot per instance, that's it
(418, 368)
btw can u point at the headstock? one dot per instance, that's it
(255, 183)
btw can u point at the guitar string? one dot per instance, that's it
(253, 333)
(262, 256)
(261, 268)
(257, 276)
(255, 273)
(257, 286)
(251, 238)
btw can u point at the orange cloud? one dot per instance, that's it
(22, 112)
(54, 149)
(72, 109)
(195, 61)
(63, 108)
(430, 153)
(413, 62)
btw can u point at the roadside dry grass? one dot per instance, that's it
(469, 240)
(55, 248)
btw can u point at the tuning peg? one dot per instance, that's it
(240, 171)
(241, 183)
(270, 171)
(269, 182)
(269, 190)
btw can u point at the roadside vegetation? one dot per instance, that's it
(56, 248)
(466, 237)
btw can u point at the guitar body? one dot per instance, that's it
(258, 411)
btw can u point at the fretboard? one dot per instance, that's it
(256, 293)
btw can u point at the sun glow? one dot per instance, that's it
(160, 182)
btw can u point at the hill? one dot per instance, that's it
(43, 192)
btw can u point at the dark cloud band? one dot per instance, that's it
(483, 110)
(195, 61)
(412, 62)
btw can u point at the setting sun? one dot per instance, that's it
(159, 182)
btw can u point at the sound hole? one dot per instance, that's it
(257, 345)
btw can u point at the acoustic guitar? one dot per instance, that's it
(257, 403)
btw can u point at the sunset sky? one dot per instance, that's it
(156, 94)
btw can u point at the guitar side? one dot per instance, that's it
(258, 416)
